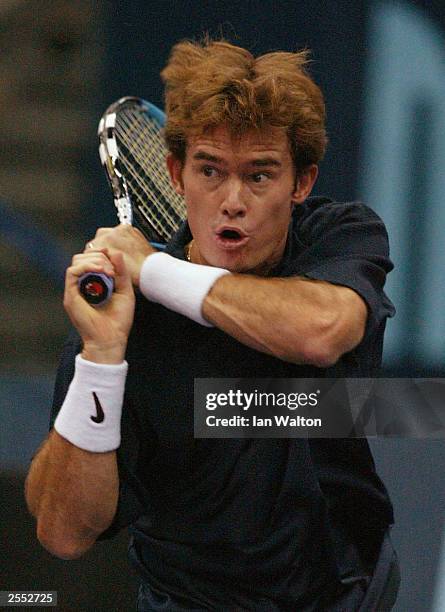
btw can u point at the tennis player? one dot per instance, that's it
(261, 281)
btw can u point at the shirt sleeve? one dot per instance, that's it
(347, 244)
(65, 374)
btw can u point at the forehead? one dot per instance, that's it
(221, 142)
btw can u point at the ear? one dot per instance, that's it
(305, 183)
(174, 167)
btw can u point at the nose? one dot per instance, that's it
(233, 204)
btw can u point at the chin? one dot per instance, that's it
(237, 262)
(244, 267)
(232, 263)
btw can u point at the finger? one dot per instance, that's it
(122, 279)
(102, 236)
(97, 243)
(109, 235)
(103, 231)
(95, 246)
(96, 258)
(101, 255)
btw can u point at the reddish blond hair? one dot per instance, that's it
(211, 83)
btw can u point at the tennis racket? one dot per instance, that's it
(133, 152)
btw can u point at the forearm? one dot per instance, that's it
(73, 484)
(295, 319)
(73, 495)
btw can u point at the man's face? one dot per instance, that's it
(239, 195)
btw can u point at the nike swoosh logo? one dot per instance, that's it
(99, 416)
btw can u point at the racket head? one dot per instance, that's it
(133, 153)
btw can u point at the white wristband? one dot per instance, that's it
(178, 285)
(90, 416)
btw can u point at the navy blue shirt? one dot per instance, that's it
(252, 524)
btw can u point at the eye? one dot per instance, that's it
(260, 177)
(209, 171)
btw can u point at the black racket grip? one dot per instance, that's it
(96, 288)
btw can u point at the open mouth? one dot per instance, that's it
(231, 238)
(229, 234)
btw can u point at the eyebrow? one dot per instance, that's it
(207, 157)
(260, 162)
(265, 161)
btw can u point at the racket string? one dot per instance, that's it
(142, 152)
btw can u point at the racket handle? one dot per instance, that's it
(97, 289)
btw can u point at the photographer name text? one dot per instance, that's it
(255, 421)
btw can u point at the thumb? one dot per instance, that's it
(122, 279)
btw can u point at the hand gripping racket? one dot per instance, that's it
(133, 152)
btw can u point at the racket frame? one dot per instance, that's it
(127, 211)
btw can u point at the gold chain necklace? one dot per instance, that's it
(188, 251)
